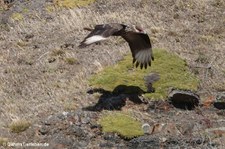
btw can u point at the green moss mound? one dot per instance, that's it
(173, 72)
(120, 123)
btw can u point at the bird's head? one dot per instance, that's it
(138, 29)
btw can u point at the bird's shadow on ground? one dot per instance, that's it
(116, 99)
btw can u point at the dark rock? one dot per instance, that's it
(184, 99)
(220, 101)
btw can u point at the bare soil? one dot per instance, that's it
(43, 73)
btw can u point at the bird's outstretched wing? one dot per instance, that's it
(141, 48)
(101, 32)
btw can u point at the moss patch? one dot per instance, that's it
(19, 126)
(17, 16)
(173, 72)
(72, 3)
(121, 123)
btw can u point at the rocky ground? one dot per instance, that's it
(168, 128)
(44, 75)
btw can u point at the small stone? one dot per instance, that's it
(163, 139)
(65, 113)
(146, 128)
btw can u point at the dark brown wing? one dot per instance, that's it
(141, 48)
(101, 32)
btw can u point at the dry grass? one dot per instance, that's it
(70, 106)
(3, 6)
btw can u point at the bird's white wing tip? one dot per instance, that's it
(94, 39)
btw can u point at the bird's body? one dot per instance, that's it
(137, 39)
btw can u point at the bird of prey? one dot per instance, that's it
(136, 37)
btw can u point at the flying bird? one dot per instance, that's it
(136, 37)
